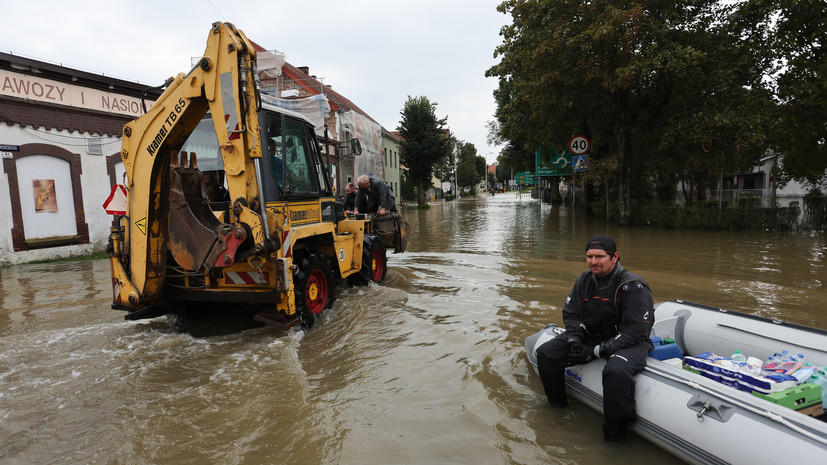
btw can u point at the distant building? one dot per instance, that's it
(390, 147)
(757, 183)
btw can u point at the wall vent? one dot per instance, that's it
(94, 146)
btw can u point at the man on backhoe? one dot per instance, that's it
(350, 197)
(374, 196)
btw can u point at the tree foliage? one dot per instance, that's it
(513, 159)
(800, 39)
(502, 175)
(424, 142)
(470, 166)
(649, 82)
(444, 170)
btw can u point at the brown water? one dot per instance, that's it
(427, 369)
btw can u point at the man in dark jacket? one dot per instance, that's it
(374, 196)
(350, 197)
(609, 314)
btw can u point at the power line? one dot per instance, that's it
(216, 10)
(34, 132)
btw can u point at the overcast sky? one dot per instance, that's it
(374, 52)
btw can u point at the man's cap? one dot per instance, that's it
(602, 243)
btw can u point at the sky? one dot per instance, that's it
(376, 53)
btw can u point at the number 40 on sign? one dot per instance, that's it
(579, 145)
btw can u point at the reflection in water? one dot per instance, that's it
(428, 368)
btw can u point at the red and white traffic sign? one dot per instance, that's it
(579, 145)
(115, 204)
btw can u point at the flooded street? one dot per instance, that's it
(426, 369)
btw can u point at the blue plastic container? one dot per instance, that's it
(665, 351)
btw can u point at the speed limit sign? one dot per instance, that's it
(579, 145)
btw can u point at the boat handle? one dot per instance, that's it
(708, 407)
(700, 415)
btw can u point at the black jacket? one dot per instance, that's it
(377, 195)
(350, 202)
(621, 314)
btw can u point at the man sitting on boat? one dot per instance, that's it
(609, 313)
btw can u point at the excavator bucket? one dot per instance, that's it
(393, 229)
(197, 239)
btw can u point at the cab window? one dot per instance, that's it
(300, 160)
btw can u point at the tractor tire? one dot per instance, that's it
(374, 262)
(313, 282)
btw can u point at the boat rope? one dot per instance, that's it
(757, 411)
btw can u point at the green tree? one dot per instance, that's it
(444, 170)
(503, 175)
(481, 166)
(469, 171)
(407, 186)
(800, 37)
(513, 159)
(625, 74)
(511, 129)
(424, 142)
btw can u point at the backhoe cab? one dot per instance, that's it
(229, 200)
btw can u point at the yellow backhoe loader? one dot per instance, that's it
(229, 200)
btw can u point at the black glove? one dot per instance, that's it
(579, 353)
(601, 350)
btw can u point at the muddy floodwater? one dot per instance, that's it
(426, 369)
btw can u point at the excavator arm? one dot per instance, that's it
(224, 82)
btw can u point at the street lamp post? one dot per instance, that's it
(456, 179)
(486, 171)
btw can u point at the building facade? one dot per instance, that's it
(758, 185)
(60, 143)
(390, 147)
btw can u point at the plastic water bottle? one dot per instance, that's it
(820, 378)
(739, 360)
(785, 354)
(771, 364)
(801, 360)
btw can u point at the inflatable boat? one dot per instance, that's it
(708, 415)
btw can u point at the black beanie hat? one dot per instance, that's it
(603, 243)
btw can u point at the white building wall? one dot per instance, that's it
(95, 185)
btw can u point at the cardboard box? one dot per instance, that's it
(814, 411)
